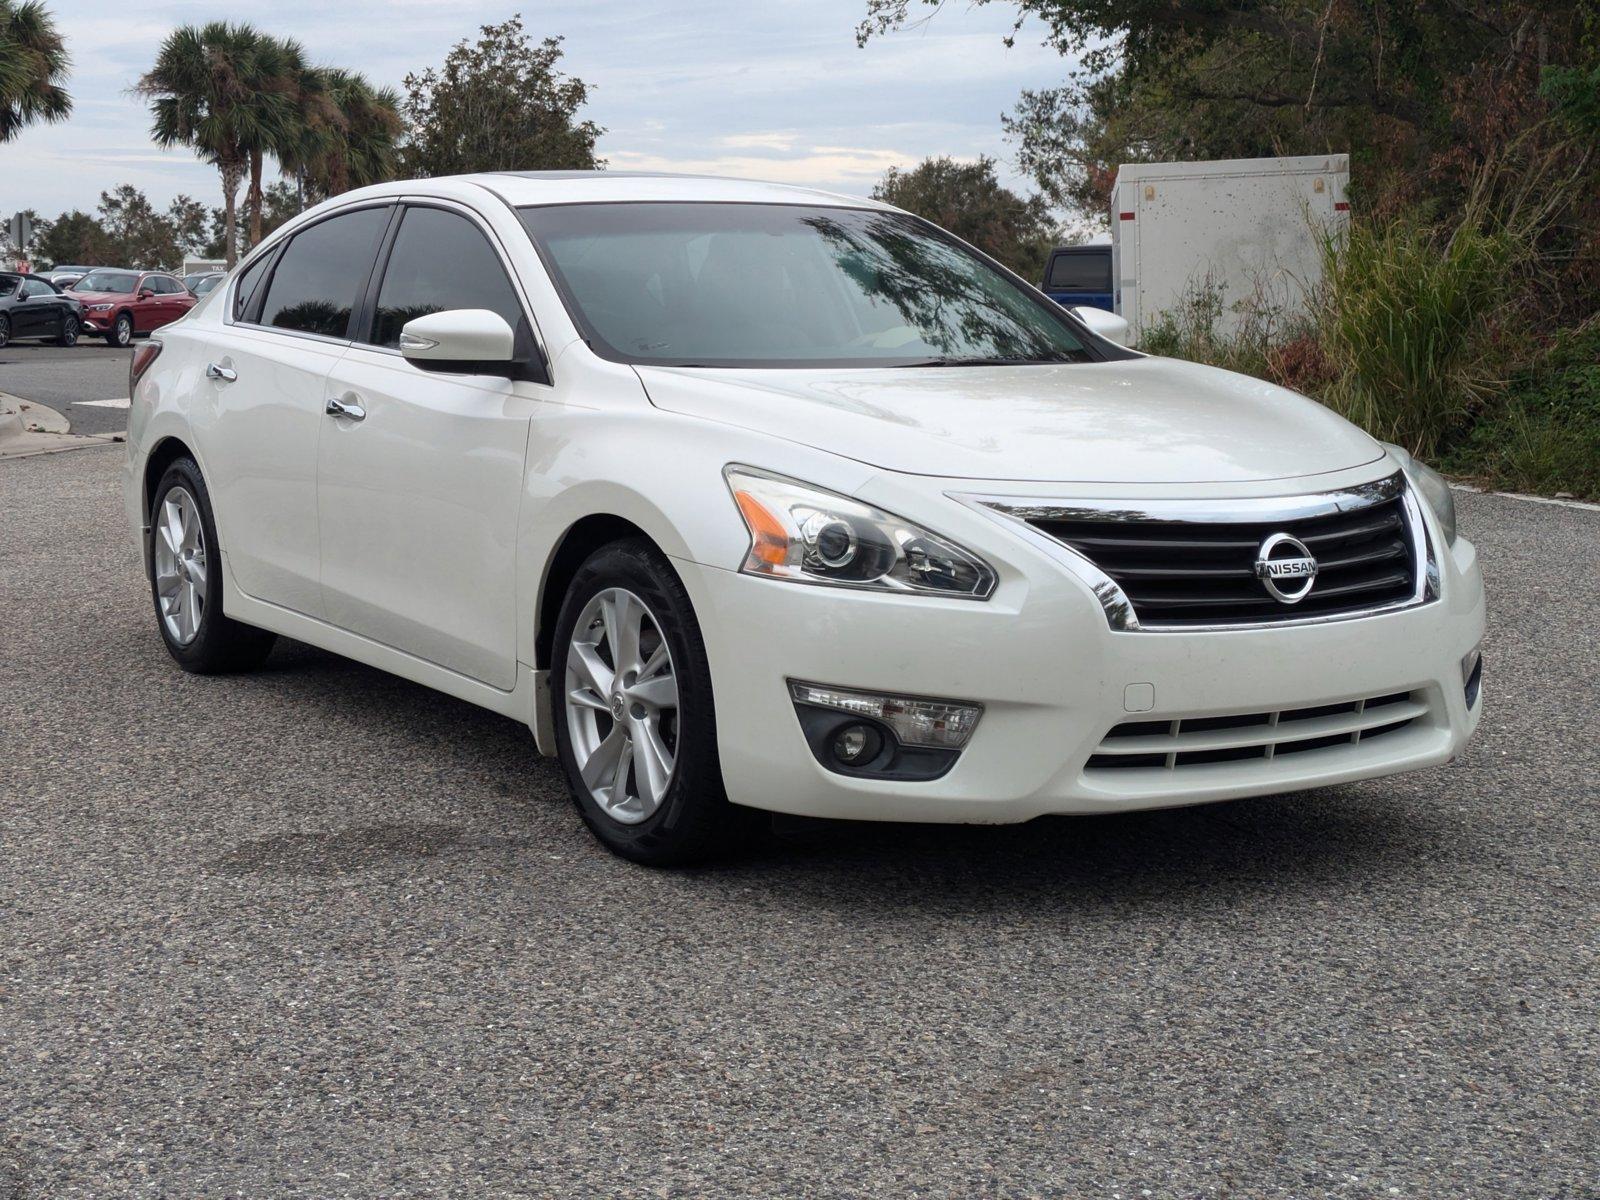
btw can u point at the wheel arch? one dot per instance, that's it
(580, 540)
(163, 454)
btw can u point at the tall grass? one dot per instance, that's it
(1407, 316)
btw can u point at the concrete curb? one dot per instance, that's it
(28, 428)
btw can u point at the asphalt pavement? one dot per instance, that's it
(318, 932)
(75, 381)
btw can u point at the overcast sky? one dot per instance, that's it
(770, 89)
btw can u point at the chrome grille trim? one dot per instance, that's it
(1018, 512)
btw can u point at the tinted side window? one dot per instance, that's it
(32, 289)
(247, 285)
(1080, 273)
(440, 261)
(165, 285)
(319, 274)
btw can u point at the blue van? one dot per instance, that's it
(1079, 275)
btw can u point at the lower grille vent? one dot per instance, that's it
(1195, 741)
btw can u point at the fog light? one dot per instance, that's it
(856, 744)
(943, 724)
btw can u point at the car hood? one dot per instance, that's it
(99, 297)
(1145, 420)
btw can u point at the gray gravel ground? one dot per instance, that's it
(318, 932)
(64, 377)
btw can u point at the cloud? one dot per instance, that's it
(757, 141)
(843, 168)
(771, 91)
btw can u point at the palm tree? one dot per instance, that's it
(363, 149)
(345, 135)
(280, 68)
(33, 66)
(214, 89)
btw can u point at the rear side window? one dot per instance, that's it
(440, 261)
(321, 272)
(1080, 272)
(163, 285)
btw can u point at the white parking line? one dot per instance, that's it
(1550, 500)
(122, 403)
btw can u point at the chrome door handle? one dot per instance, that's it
(338, 408)
(225, 374)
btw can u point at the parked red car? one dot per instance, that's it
(118, 304)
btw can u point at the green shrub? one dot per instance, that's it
(1190, 331)
(1406, 319)
(1544, 435)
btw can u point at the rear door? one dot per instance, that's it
(418, 499)
(291, 315)
(170, 295)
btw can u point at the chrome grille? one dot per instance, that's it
(1194, 741)
(1185, 570)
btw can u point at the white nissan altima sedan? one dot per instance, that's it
(750, 497)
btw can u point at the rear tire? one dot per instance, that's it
(688, 818)
(186, 581)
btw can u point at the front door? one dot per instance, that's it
(418, 496)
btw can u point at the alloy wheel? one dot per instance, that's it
(180, 565)
(621, 699)
(69, 331)
(5, 330)
(123, 330)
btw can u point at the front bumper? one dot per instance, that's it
(1054, 679)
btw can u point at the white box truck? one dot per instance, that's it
(1249, 229)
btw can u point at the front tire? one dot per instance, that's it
(634, 720)
(121, 334)
(69, 331)
(186, 581)
(5, 329)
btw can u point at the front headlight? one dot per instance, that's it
(1434, 487)
(99, 308)
(809, 535)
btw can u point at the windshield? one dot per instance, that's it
(765, 285)
(107, 281)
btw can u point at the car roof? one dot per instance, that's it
(518, 188)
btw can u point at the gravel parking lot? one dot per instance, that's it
(319, 932)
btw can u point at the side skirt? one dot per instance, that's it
(526, 702)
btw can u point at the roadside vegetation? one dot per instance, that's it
(1461, 315)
